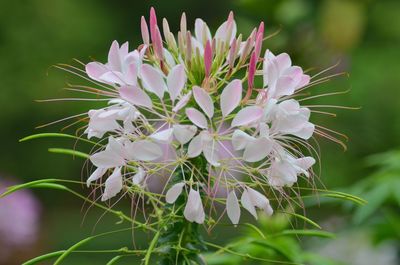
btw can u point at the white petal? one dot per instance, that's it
(247, 116)
(260, 201)
(257, 149)
(107, 159)
(136, 96)
(176, 81)
(164, 136)
(153, 80)
(195, 147)
(194, 211)
(113, 185)
(248, 204)
(114, 59)
(306, 132)
(231, 96)
(145, 150)
(204, 100)
(210, 152)
(138, 178)
(240, 139)
(197, 117)
(183, 133)
(233, 208)
(112, 77)
(174, 192)
(182, 102)
(98, 173)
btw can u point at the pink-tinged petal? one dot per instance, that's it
(182, 102)
(195, 147)
(184, 133)
(204, 100)
(176, 81)
(183, 24)
(202, 32)
(248, 204)
(257, 149)
(131, 74)
(114, 59)
(123, 50)
(305, 162)
(135, 96)
(107, 159)
(305, 80)
(233, 208)
(232, 53)
(174, 192)
(306, 132)
(252, 70)
(285, 86)
(208, 58)
(194, 211)
(95, 69)
(145, 150)
(112, 78)
(283, 61)
(145, 31)
(153, 80)
(247, 115)
(164, 136)
(98, 173)
(197, 117)
(240, 139)
(231, 96)
(138, 178)
(113, 185)
(211, 153)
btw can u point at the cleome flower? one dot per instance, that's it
(186, 119)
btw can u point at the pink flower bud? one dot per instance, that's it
(252, 70)
(145, 31)
(208, 58)
(153, 23)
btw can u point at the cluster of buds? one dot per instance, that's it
(188, 107)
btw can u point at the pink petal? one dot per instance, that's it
(174, 192)
(197, 117)
(176, 81)
(252, 70)
(136, 96)
(204, 100)
(247, 115)
(113, 185)
(153, 80)
(231, 96)
(233, 208)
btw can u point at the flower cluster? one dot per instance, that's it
(190, 105)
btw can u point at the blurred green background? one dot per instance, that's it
(363, 35)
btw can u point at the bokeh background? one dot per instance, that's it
(362, 35)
